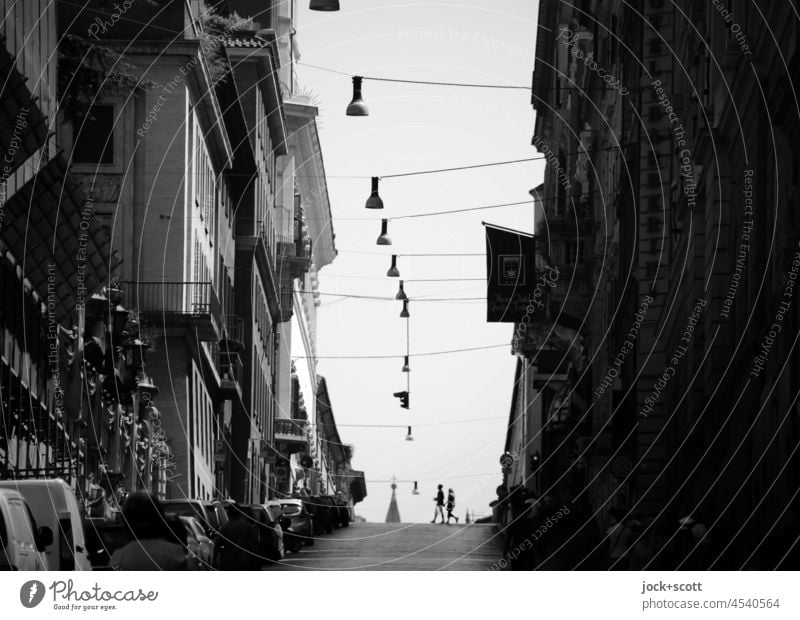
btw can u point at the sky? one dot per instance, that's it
(459, 401)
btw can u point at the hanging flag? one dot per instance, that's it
(509, 275)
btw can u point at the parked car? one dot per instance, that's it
(103, 537)
(199, 547)
(270, 532)
(53, 505)
(302, 520)
(211, 515)
(21, 542)
(325, 512)
(336, 509)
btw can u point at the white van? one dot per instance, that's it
(21, 542)
(54, 505)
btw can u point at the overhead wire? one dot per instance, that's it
(376, 298)
(427, 354)
(423, 424)
(423, 82)
(398, 255)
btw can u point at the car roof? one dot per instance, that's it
(33, 482)
(52, 492)
(202, 502)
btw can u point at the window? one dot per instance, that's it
(93, 138)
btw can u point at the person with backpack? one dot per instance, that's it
(438, 509)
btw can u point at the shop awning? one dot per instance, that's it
(358, 487)
(23, 127)
(51, 233)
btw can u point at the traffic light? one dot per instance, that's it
(534, 462)
(403, 396)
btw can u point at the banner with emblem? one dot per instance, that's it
(510, 273)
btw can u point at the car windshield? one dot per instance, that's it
(211, 517)
(291, 509)
(184, 508)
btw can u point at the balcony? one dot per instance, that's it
(294, 254)
(230, 369)
(232, 333)
(266, 232)
(290, 435)
(169, 304)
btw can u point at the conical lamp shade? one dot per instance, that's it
(384, 238)
(393, 271)
(405, 364)
(357, 107)
(404, 314)
(374, 201)
(409, 437)
(401, 294)
(324, 5)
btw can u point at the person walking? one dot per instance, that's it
(438, 509)
(451, 504)
(237, 543)
(149, 548)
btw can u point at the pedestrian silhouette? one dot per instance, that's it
(451, 504)
(150, 547)
(438, 509)
(237, 543)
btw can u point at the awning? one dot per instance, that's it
(23, 127)
(358, 487)
(50, 231)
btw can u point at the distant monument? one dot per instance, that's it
(393, 516)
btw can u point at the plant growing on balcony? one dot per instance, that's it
(87, 72)
(215, 29)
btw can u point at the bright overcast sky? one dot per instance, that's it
(416, 127)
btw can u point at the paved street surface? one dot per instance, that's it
(400, 546)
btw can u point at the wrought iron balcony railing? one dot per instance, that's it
(232, 333)
(177, 301)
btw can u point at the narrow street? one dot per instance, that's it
(400, 546)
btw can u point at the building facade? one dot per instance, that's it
(56, 262)
(672, 222)
(204, 166)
